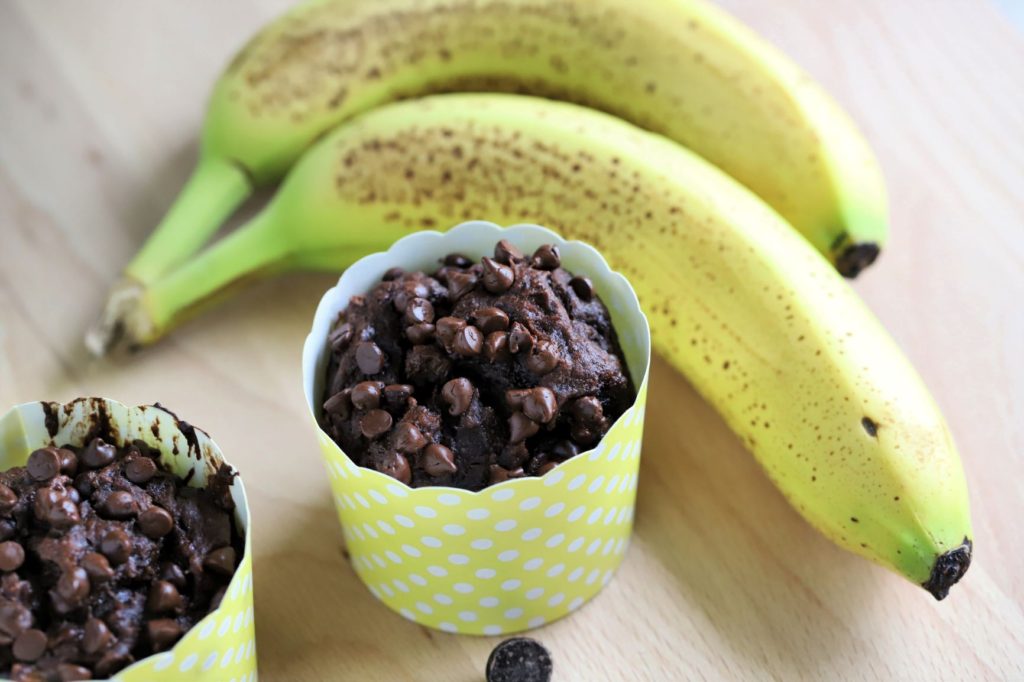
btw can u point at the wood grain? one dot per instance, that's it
(99, 107)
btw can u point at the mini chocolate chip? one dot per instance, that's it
(547, 257)
(140, 470)
(339, 403)
(420, 333)
(396, 466)
(120, 504)
(221, 561)
(98, 453)
(162, 632)
(542, 359)
(521, 427)
(514, 398)
(460, 284)
(164, 597)
(495, 346)
(506, 252)
(520, 338)
(587, 409)
(500, 473)
(519, 659)
(68, 462)
(513, 456)
(395, 395)
(448, 328)
(366, 395)
(43, 464)
(155, 522)
(565, 449)
(55, 507)
(491, 320)
(96, 567)
(69, 672)
(497, 278)
(392, 273)
(375, 423)
(116, 546)
(97, 636)
(29, 645)
(73, 585)
(369, 357)
(540, 404)
(458, 394)
(8, 499)
(12, 556)
(583, 287)
(408, 438)
(468, 342)
(418, 311)
(438, 460)
(341, 337)
(172, 573)
(457, 260)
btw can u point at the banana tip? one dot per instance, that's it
(119, 320)
(856, 257)
(949, 567)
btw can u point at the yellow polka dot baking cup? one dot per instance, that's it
(515, 555)
(222, 646)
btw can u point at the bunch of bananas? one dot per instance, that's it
(713, 148)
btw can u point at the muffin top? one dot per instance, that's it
(475, 374)
(106, 558)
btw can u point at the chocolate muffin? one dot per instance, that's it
(106, 558)
(475, 374)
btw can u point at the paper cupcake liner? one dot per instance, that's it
(513, 556)
(222, 646)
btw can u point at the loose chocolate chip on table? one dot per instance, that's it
(97, 567)
(438, 460)
(497, 278)
(366, 395)
(419, 310)
(519, 339)
(542, 359)
(12, 556)
(495, 346)
(97, 636)
(460, 284)
(420, 333)
(155, 522)
(120, 504)
(162, 632)
(468, 342)
(547, 257)
(73, 585)
(506, 252)
(521, 427)
(375, 423)
(519, 659)
(173, 574)
(491, 320)
(583, 287)
(540, 404)
(98, 453)
(369, 357)
(341, 337)
(397, 467)
(163, 597)
(43, 464)
(447, 328)
(8, 499)
(457, 260)
(408, 438)
(29, 645)
(140, 470)
(458, 393)
(116, 546)
(221, 561)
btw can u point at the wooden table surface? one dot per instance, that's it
(100, 102)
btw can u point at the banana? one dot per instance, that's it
(682, 68)
(758, 321)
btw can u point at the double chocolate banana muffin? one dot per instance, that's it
(475, 374)
(106, 559)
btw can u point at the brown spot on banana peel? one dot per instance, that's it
(948, 569)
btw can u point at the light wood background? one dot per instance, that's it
(99, 106)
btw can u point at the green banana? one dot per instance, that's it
(759, 322)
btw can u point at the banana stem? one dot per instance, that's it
(215, 189)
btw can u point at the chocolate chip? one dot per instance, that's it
(420, 333)
(55, 507)
(112, 661)
(162, 633)
(521, 427)
(514, 398)
(520, 338)
(97, 636)
(448, 328)
(547, 257)
(546, 467)
(43, 464)
(375, 423)
(173, 574)
(460, 284)
(491, 320)
(458, 393)
(8, 499)
(564, 450)
(68, 462)
(395, 395)
(98, 453)
(418, 311)
(221, 561)
(116, 546)
(218, 597)
(583, 287)
(14, 620)
(542, 359)
(540, 404)
(369, 357)
(519, 659)
(457, 260)
(513, 456)
(497, 278)
(500, 473)
(140, 470)
(155, 522)
(73, 586)
(506, 252)
(396, 466)
(120, 504)
(392, 273)
(584, 435)
(12, 556)
(408, 438)
(164, 597)
(438, 460)
(339, 403)
(587, 409)
(426, 365)
(340, 337)
(495, 346)
(468, 342)
(69, 672)
(96, 567)
(366, 395)
(29, 645)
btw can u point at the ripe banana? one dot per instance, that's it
(737, 301)
(682, 68)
